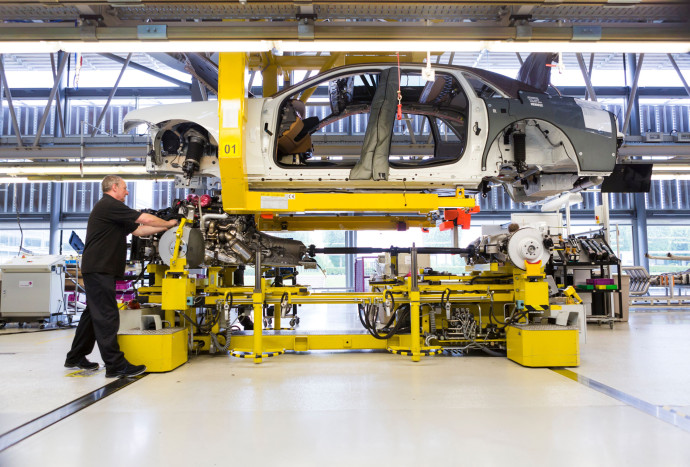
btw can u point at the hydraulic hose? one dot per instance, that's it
(493, 353)
(371, 327)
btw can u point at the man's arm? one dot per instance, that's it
(146, 230)
(153, 221)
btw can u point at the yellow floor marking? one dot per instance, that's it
(84, 373)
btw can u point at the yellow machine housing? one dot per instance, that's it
(161, 350)
(543, 345)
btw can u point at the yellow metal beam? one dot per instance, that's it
(256, 201)
(309, 223)
(259, 61)
(269, 77)
(302, 342)
(332, 61)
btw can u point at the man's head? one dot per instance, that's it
(115, 186)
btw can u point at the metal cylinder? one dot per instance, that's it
(195, 149)
(241, 249)
(519, 150)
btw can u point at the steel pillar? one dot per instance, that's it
(640, 245)
(55, 214)
(96, 127)
(60, 102)
(632, 111)
(350, 242)
(10, 106)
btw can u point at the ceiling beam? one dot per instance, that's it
(247, 35)
(151, 72)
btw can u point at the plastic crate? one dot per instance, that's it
(123, 285)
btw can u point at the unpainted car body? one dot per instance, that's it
(467, 128)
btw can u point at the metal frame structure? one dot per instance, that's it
(579, 25)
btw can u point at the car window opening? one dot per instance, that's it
(328, 129)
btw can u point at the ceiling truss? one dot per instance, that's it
(516, 24)
(344, 20)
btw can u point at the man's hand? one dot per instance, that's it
(172, 223)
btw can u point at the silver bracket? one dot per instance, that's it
(152, 31)
(197, 183)
(586, 33)
(523, 32)
(305, 29)
(87, 32)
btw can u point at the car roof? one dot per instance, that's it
(508, 86)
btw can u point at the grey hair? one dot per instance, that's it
(109, 182)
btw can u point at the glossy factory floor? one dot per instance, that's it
(628, 408)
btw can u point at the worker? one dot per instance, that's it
(103, 261)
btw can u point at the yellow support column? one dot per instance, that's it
(415, 346)
(415, 349)
(269, 77)
(258, 302)
(337, 59)
(232, 102)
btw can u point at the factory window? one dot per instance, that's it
(32, 242)
(331, 271)
(434, 237)
(324, 124)
(25, 198)
(664, 239)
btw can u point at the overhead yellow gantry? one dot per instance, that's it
(179, 293)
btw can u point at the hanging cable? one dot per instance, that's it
(398, 114)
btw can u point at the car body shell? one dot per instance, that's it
(562, 143)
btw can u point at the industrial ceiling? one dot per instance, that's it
(186, 35)
(70, 22)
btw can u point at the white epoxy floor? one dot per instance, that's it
(360, 409)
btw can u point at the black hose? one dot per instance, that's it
(141, 274)
(360, 309)
(398, 316)
(445, 297)
(215, 319)
(493, 317)
(191, 321)
(489, 278)
(493, 353)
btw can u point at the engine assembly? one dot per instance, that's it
(211, 237)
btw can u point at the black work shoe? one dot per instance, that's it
(84, 364)
(127, 371)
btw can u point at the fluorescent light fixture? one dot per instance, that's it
(135, 46)
(341, 46)
(670, 168)
(74, 170)
(14, 180)
(670, 176)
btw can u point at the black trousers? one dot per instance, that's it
(99, 322)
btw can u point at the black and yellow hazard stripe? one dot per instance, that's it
(536, 307)
(253, 355)
(408, 352)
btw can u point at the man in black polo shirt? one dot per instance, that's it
(103, 262)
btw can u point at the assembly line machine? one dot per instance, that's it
(500, 305)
